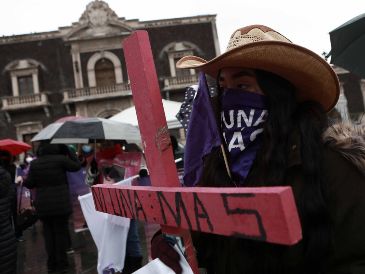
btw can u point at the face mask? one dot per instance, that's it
(86, 149)
(28, 159)
(242, 120)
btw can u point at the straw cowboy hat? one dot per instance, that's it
(260, 47)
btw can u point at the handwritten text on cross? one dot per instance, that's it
(256, 213)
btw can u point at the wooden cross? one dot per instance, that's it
(263, 213)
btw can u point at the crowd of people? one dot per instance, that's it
(46, 178)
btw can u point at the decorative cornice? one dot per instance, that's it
(99, 20)
(177, 21)
(22, 38)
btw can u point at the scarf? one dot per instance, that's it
(243, 115)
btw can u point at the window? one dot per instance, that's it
(25, 85)
(24, 76)
(27, 138)
(181, 72)
(174, 52)
(26, 131)
(104, 72)
(104, 69)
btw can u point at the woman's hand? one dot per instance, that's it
(161, 248)
(19, 180)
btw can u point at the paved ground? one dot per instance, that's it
(32, 256)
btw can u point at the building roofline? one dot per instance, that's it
(35, 36)
(177, 21)
(180, 18)
(134, 23)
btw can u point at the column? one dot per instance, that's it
(14, 84)
(35, 82)
(76, 66)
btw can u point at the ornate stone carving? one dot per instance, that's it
(98, 20)
(97, 14)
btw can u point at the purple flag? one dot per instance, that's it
(202, 135)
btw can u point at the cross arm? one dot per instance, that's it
(265, 213)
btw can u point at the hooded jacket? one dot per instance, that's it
(344, 192)
(7, 237)
(345, 184)
(47, 174)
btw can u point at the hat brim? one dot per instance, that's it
(312, 76)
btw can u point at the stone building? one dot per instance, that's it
(351, 104)
(80, 69)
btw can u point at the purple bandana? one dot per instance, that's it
(242, 120)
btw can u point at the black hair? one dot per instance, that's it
(46, 148)
(286, 119)
(174, 143)
(311, 204)
(308, 119)
(273, 156)
(5, 158)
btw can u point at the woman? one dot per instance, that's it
(8, 252)
(273, 98)
(47, 174)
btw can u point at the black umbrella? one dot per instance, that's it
(86, 129)
(348, 46)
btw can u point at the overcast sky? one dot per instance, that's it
(306, 23)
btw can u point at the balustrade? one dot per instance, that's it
(86, 93)
(24, 101)
(178, 82)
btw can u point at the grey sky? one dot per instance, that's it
(306, 23)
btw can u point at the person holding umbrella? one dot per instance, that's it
(9, 149)
(47, 174)
(272, 101)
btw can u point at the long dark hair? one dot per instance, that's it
(287, 119)
(308, 119)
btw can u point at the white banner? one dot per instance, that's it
(108, 231)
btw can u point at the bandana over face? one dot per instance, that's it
(242, 120)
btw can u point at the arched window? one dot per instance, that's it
(104, 72)
(175, 51)
(99, 69)
(107, 113)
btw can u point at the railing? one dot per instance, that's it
(24, 101)
(178, 82)
(91, 93)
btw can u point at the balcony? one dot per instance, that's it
(179, 82)
(95, 93)
(24, 101)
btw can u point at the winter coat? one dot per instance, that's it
(344, 192)
(47, 174)
(7, 235)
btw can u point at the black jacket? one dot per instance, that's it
(7, 236)
(344, 192)
(48, 175)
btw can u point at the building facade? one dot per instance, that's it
(80, 69)
(351, 103)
